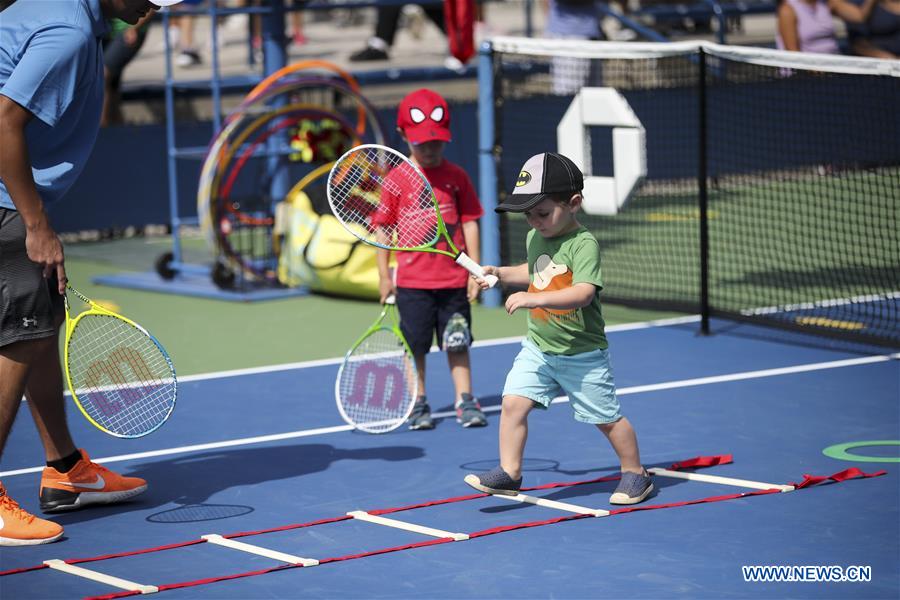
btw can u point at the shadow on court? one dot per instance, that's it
(177, 480)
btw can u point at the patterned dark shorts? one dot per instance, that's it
(30, 306)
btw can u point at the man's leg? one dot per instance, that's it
(44, 390)
(13, 374)
(387, 22)
(18, 527)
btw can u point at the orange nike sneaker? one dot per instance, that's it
(87, 483)
(18, 527)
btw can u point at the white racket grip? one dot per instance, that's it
(475, 269)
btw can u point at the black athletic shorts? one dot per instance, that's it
(424, 314)
(30, 306)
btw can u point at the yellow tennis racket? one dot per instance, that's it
(120, 377)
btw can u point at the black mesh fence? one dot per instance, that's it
(802, 180)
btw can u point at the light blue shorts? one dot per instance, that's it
(585, 378)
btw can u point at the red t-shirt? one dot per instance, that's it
(459, 204)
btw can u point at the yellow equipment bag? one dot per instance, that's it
(318, 252)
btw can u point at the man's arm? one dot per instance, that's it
(41, 242)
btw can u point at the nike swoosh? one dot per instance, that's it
(97, 484)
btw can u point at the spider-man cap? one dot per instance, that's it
(423, 116)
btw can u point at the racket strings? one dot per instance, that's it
(377, 382)
(119, 376)
(384, 199)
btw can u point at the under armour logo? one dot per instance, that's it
(26, 322)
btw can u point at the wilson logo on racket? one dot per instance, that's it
(109, 380)
(378, 385)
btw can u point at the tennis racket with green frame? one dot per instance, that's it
(377, 383)
(120, 376)
(382, 198)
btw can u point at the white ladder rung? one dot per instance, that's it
(756, 485)
(364, 516)
(214, 538)
(101, 577)
(581, 510)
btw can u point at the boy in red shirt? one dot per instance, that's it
(433, 292)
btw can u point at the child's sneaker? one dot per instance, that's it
(21, 528)
(496, 481)
(420, 418)
(469, 413)
(86, 483)
(632, 488)
(457, 337)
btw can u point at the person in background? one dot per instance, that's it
(879, 36)
(807, 25)
(120, 47)
(572, 20)
(188, 53)
(386, 25)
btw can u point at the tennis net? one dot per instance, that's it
(770, 181)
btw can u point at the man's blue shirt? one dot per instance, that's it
(51, 63)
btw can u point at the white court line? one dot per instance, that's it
(324, 362)
(835, 364)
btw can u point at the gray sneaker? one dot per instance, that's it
(632, 488)
(496, 481)
(420, 418)
(469, 413)
(457, 337)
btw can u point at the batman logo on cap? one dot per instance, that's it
(524, 178)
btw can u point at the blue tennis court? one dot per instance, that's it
(263, 452)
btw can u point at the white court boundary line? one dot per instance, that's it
(324, 362)
(740, 376)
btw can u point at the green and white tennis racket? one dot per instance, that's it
(376, 385)
(382, 198)
(121, 378)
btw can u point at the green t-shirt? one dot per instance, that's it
(559, 263)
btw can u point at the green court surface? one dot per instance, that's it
(212, 335)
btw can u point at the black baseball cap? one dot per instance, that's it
(541, 176)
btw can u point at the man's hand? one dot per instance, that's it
(44, 248)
